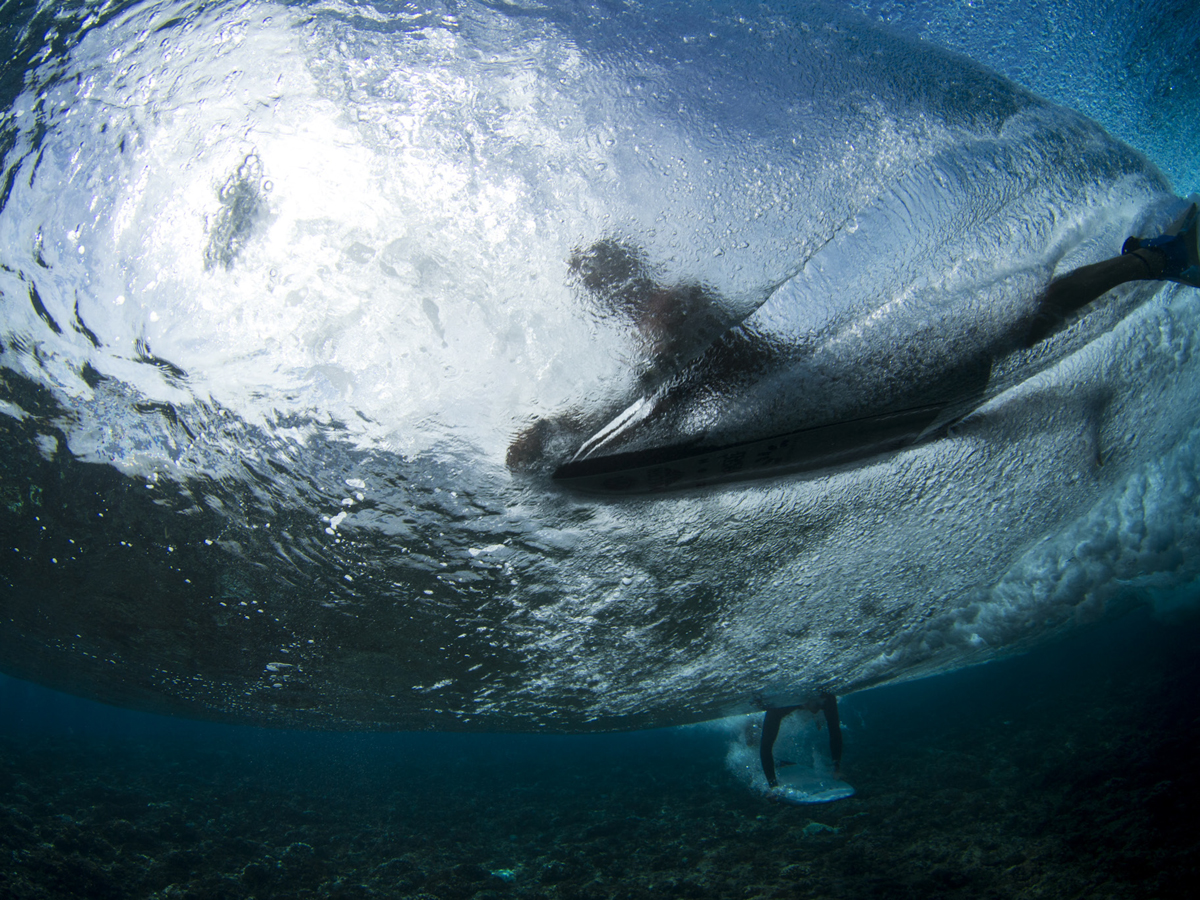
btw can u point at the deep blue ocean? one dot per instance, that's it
(1068, 771)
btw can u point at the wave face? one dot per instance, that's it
(287, 289)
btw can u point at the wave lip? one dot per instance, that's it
(285, 287)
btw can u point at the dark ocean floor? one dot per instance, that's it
(1071, 772)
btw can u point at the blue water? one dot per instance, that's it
(1069, 770)
(1132, 644)
(1129, 66)
(1065, 772)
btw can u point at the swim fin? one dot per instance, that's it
(1172, 256)
(1180, 249)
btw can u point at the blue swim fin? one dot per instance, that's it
(1180, 246)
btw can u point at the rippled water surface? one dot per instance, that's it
(302, 304)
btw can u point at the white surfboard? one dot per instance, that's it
(799, 739)
(801, 785)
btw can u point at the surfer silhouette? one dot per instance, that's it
(690, 341)
(675, 324)
(675, 321)
(772, 718)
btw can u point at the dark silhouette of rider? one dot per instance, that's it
(772, 718)
(684, 325)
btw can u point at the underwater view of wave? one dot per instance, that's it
(573, 367)
(1069, 772)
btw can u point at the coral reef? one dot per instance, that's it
(1067, 773)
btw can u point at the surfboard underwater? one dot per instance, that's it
(920, 410)
(802, 787)
(305, 305)
(805, 777)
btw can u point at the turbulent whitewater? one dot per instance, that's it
(303, 304)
